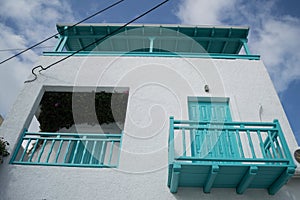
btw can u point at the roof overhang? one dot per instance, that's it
(154, 38)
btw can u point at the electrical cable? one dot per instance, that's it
(89, 17)
(96, 41)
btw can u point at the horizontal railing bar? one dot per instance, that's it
(223, 128)
(232, 164)
(155, 54)
(73, 139)
(226, 123)
(71, 134)
(186, 158)
(64, 164)
(73, 151)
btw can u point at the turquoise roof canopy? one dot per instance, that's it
(153, 38)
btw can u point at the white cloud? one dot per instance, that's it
(203, 12)
(278, 43)
(273, 36)
(22, 24)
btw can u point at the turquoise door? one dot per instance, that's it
(212, 143)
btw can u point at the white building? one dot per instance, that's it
(150, 112)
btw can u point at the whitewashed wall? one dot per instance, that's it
(158, 88)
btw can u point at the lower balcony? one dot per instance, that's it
(68, 149)
(237, 155)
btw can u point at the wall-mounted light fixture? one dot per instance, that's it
(206, 88)
(297, 155)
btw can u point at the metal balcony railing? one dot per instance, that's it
(229, 154)
(68, 149)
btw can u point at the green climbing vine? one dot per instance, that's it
(3, 149)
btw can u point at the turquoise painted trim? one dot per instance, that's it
(56, 48)
(61, 44)
(24, 151)
(220, 39)
(208, 99)
(72, 155)
(58, 152)
(238, 128)
(19, 144)
(220, 159)
(169, 37)
(246, 48)
(183, 141)
(251, 144)
(171, 141)
(220, 128)
(175, 178)
(66, 164)
(66, 153)
(247, 179)
(281, 181)
(48, 134)
(93, 151)
(211, 109)
(248, 171)
(228, 164)
(120, 148)
(171, 150)
(170, 168)
(211, 178)
(284, 143)
(148, 54)
(245, 124)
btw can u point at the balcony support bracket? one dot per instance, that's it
(282, 180)
(211, 178)
(175, 178)
(247, 179)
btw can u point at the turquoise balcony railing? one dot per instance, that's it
(68, 149)
(237, 155)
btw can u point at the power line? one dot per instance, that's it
(96, 41)
(93, 15)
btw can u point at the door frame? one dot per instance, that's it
(205, 100)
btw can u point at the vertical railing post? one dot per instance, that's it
(261, 144)
(17, 149)
(183, 142)
(171, 141)
(284, 143)
(171, 150)
(120, 147)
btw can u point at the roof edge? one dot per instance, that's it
(155, 25)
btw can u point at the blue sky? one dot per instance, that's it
(274, 31)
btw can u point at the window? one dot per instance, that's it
(77, 128)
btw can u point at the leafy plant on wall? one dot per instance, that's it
(56, 109)
(3, 149)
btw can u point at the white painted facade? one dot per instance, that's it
(158, 88)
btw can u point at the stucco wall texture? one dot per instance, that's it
(158, 88)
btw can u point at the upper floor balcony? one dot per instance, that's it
(237, 155)
(153, 40)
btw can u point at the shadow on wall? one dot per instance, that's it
(289, 191)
